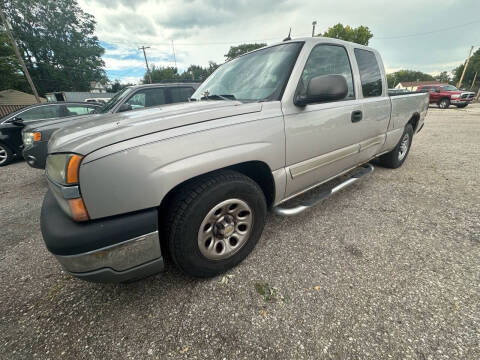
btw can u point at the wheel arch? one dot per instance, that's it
(414, 120)
(256, 170)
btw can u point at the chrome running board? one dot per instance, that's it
(357, 174)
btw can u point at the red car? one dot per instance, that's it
(446, 95)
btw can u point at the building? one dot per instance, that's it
(412, 85)
(96, 87)
(12, 100)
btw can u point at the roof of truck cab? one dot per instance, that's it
(322, 39)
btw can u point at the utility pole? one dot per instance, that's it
(313, 28)
(19, 56)
(474, 78)
(146, 62)
(174, 57)
(465, 68)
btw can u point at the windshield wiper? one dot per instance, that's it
(227, 97)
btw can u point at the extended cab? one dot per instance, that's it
(196, 179)
(446, 95)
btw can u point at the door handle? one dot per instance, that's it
(357, 116)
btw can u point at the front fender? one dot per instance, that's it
(138, 178)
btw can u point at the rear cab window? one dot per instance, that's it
(370, 74)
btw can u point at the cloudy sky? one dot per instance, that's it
(425, 35)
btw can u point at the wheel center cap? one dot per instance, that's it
(229, 230)
(225, 227)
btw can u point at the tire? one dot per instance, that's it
(6, 155)
(395, 158)
(194, 230)
(461, 106)
(444, 103)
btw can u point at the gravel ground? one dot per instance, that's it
(388, 268)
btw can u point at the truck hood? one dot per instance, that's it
(86, 136)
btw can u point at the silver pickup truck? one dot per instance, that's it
(195, 180)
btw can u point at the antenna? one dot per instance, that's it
(288, 37)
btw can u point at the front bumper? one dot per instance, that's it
(461, 101)
(36, 154)
(115, 249)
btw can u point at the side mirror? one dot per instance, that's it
(17, 121)
(323, 88)
(124, 107)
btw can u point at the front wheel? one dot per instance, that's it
(215, 222)
(461, 106)
(6, 155)
(395, 158)
(444, 103)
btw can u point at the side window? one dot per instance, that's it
(180, 94)
(41, 112)
(328, 60)
(137, 101)
(147, 98)
(369, 73)
(73, 110)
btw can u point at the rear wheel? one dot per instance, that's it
(395, 158)
(444, 103)
(6, 155)
(215, 222)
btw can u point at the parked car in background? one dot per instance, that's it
(199, 176)
(36, 136)
(446, 95)
(11, 125)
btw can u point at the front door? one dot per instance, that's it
(323, 139)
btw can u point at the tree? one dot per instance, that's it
(198, 73)
(236, 51)
(407, 75)
(162, 74)
(116, 86)
(195, 73)
(57, 42)
(360, 35)
(11, 76)
(443, 77)
(473, 66)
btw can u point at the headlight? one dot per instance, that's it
(30, 137)
(63, 168)
(454, 96)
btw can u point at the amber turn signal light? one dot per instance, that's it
(37, 136)
(78, 209)
(72, 169)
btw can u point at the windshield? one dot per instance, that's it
(258, 76)
(113, 101)
(449, 88)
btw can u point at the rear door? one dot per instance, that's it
(323, 139)
(375, 102)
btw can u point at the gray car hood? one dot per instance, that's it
(104, 130)
(53, 123)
